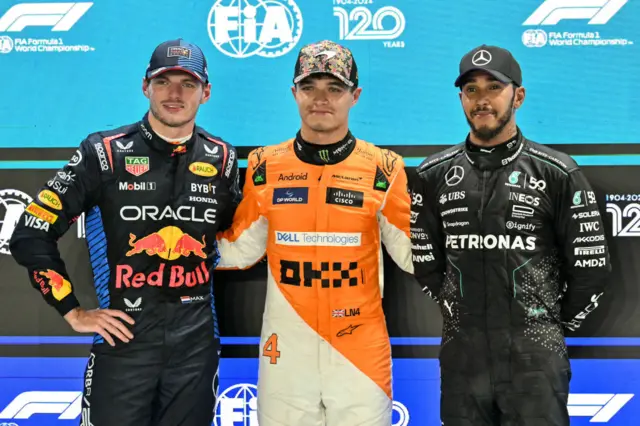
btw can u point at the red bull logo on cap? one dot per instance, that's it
(60, 286)
(168, 243)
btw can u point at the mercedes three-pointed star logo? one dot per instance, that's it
(481, 58)
(454, 176)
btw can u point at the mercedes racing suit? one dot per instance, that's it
(153, 211)
(511, 244)
(321, 213)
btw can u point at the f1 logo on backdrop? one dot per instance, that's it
(601, 407)
(238, 405)
(553, 11)
(67, 404)
(59, 16)
(244, 28)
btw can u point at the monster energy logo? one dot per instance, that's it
(381, 184)
(258, 179)
(324, 155)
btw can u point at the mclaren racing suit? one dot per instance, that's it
(153, 211)
(321, 214)
(511, 244)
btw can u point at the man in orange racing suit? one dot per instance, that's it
(320, 209)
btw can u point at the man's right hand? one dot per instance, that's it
(105, 322)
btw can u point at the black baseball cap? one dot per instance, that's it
(495, 60)
(178, 55)
(326, 57)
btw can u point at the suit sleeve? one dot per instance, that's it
(55, 207)
(427, 237)
(393, 220)
(584, 249)
(232, 177)
(244, 243)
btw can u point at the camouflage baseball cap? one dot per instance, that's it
(326, 57)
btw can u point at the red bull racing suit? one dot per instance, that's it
(511, 243)
(153, 210)
(322, 214)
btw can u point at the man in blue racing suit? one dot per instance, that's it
(155, 192)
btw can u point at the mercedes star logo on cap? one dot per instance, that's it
(481, 58)
(454, 176)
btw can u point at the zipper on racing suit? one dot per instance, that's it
(484, 276)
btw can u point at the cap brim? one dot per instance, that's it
(162, 70)
(497, 74)
(340, 77)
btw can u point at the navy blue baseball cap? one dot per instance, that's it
(178, 55)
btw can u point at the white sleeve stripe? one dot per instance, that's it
(398, 244)
(248, 249)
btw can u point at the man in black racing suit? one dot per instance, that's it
(507, 237)
(154, 205)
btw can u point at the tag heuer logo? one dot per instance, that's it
(136, 165)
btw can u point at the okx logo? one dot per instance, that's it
(244, 28)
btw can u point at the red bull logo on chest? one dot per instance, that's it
(168, 243)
